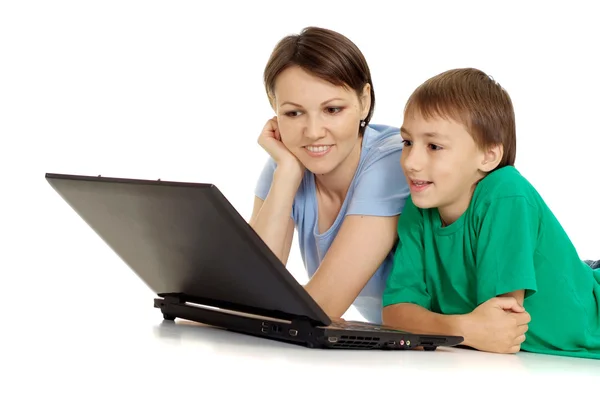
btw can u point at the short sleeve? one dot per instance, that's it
(265, 179)
(406, 282)
(506, 244)
(381, 188)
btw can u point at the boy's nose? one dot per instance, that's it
(412, 160)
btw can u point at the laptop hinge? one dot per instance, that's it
(299, 321)
(172, 298)
(306, 322)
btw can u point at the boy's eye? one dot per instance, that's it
(407, 142)
(435, 147)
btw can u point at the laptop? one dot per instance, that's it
(206, 264)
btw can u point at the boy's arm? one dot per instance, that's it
(518, 295)
(489, 327)
(416, 319)
(406, 300)
(507, 237)
(406, 282)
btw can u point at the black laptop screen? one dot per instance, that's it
(186, 238)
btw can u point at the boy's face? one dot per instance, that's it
(441, 162)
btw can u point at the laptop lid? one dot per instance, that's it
(187, 239)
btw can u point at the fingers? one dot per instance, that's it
(276, 134)
(273, 124)
(273, 128)
(270, 130)
(520, 339)
(509, 304)
(514, 349)
(522, 329)
(522, 318)
(270, 126)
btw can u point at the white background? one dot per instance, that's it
(173, 90)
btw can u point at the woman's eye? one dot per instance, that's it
(333, 110)
(435, 147)
(292, 113)
(406, 142)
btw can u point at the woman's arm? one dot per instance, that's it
(361, 245)
(365, 238)
(367, 234)
(279, 182)
(358, 250)
(271, 218)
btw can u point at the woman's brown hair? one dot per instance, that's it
(325, 54)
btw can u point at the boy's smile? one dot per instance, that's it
(442, 164)
(419, 185)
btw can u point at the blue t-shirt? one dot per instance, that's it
(379, 188)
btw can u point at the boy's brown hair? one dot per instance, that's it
(325, 54)
(471, 97)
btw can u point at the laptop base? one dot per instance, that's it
(297, 332)
(172, 235)
(300, 332)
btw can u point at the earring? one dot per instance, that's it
(362, 123)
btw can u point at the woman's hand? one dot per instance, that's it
(270, 140)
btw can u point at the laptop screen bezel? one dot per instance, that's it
(314, 312)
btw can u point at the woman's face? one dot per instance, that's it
(318, 121)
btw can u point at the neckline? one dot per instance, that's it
(453, 227)
(459, 223)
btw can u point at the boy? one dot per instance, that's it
(480, 254)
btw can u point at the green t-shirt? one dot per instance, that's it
(507, 240)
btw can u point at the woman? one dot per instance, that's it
(331, 176)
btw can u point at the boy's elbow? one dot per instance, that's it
(391, 314)
(385, 315)
(400, 314)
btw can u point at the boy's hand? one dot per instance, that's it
(497, 326)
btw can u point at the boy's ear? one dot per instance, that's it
(491, 158)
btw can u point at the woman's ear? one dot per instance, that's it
(272, 102)
(365, 101)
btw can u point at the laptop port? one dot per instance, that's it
(293, 332)
(332, 339)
